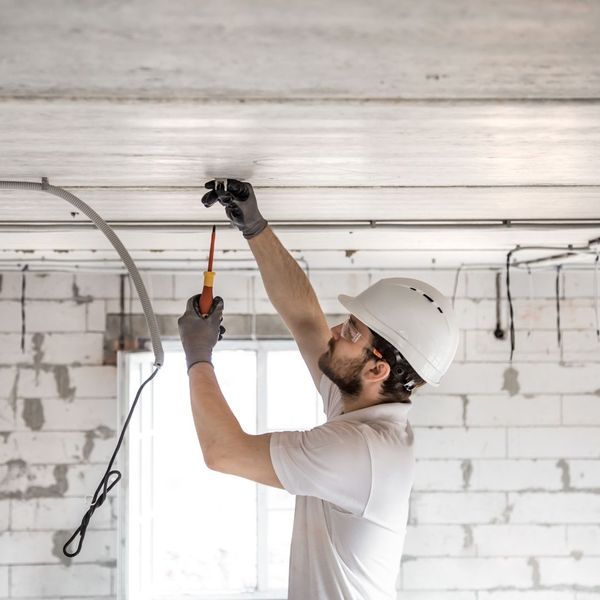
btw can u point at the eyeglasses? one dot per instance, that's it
(350, 332)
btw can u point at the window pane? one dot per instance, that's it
(200, 531)
(205, 522)
(293, 402)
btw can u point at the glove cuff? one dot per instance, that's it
(195, 362)
(255, 229)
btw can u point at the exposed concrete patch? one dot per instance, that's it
(535, 571)
(511, 381)
(577, 554)
(15, 464)
(38, 353)
(33, 413)
(506, 514)
(111, 564)
(102, 432)
(13, 394)
(350, 253)
(79, 299)
(467, 470)
(59, 539)
(465, 404)
(58, 488)
(407, 558)
(566, 474)
(468, 539)
(5, 435)
(18, 468)
(15, 468)
(61, 375)
(89, 444)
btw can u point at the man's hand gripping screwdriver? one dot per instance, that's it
(200, 326)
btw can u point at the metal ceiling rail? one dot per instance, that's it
(191, 266)
(175, 226)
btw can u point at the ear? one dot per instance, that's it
(379, 372)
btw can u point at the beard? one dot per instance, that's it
(345, 373)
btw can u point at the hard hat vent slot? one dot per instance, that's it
(428, 298)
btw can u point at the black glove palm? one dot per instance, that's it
(198, 334)
(240, 205)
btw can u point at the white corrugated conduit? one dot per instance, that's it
(103, 488)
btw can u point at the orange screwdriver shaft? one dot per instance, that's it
(206, 298)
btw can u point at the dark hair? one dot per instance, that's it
(403, 379)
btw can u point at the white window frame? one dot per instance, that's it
(127, 387)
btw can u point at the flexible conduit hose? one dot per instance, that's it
(103, 487)
(117, 245)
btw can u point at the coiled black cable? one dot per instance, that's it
(98, 500)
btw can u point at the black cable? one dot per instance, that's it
(23, 308)
(97, 501)
(510, 306)
(596, 295)
(558, 304)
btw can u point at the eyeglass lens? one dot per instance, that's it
(349, 332)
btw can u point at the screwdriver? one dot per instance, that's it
(206, 298)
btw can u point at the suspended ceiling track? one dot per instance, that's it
(540, 224)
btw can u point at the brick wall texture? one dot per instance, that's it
(506, 501)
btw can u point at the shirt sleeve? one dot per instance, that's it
(331, 462)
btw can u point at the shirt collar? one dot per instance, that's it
(388, 411)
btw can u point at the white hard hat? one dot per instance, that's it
(415, 318)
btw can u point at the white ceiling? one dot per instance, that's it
(353, 120)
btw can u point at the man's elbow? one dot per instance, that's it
(212, 459)
(219, 457)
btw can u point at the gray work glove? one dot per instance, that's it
(198, 334)
(240, 205)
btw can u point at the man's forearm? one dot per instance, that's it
(215, 424)
(287, 285)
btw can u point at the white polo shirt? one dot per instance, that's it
(352, 478)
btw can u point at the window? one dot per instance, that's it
(186, 531)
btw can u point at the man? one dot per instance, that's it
(352, 476)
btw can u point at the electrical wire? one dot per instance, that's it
(456, 282)
(530, 280)
(99, 498)
(23, 308)
(116, 243)
(596, 294)
(571, 251)
(557, 286)
(510, 306)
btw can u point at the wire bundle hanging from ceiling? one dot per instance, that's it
(570, 251)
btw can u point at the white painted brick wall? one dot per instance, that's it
(506, 498)
(466, 573)
(42, 581)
